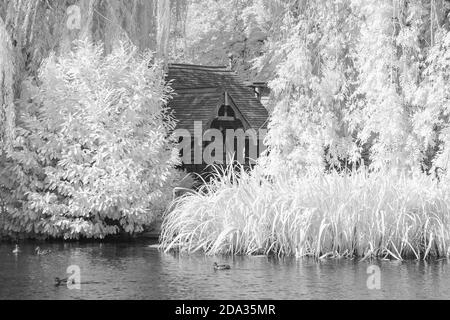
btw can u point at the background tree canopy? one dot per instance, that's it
(348, 78)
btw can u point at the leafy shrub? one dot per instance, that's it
(93, 154)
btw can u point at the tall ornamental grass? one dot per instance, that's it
(381, 214)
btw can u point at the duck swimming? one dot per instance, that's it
(16, 249)
(221, 266)
(40, 252)
(64, 281)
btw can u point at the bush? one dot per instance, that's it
(378, 214)
(93, 154)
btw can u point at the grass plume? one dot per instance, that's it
(365, 215)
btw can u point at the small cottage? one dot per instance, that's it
(214, 99)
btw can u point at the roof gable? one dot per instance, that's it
(199, 91)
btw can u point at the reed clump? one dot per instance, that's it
(386, 215)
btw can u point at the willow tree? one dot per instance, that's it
(108, 21)
(6, 89)
(313, 86)
(233, 29)
(38, 27)
(432, 119)
(353, 74)
(389, 61)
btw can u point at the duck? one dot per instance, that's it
(16, 249)
(64, 281)
(40, 252)
(221, 266)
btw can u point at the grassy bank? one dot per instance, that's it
(386, 215)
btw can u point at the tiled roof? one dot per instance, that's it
(194, 106)
(198, 92)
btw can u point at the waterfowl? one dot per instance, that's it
(40, 252)
(221, 266)
(16, 249)
(64, 281)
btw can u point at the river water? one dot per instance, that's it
(135, 270)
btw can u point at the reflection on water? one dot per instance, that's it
(137, 271)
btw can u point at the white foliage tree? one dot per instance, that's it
(388, 63)
(353, 76)
(313, 87)
(94, 153)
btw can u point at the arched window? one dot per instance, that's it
(227, 112)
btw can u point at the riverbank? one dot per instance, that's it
(379, 215)
(151, 233)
